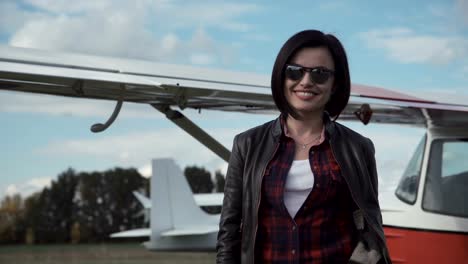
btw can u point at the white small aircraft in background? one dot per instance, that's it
(177, 222)
(180, 189)
(428, 223)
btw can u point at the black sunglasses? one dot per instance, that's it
(318, 75)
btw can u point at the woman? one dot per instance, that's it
(303, 188)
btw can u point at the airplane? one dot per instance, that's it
(428, 223)
(200, 199)
(176, 222)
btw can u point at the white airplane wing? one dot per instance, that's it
(209, 199)
(131, 80)
(142, 232)
(188, 231)
(166, 85)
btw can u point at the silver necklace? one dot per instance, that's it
(304, 145)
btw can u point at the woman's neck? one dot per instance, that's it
(305, 126)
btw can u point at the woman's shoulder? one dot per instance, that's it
(351, 134)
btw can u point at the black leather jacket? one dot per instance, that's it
(252, 151)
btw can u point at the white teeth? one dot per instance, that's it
(305, 93)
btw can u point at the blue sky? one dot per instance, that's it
(418, 47)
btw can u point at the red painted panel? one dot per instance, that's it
(381, 93)
(415, 246)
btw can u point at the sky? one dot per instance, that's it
(416, 47)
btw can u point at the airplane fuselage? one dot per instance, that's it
(427, 222)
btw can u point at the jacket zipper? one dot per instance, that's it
(354, 199)
(260, 198)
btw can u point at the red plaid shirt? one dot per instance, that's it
(322, 230)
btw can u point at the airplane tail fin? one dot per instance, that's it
(174, 212)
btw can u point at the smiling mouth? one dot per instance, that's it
(305, 93)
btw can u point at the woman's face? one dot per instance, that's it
(305, 96)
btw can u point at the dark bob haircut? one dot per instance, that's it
(311, 39)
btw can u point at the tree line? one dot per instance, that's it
(86, 207)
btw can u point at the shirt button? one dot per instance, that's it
(312, 152)
(293, 251)
(294, 228)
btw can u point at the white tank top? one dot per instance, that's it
(299, 184)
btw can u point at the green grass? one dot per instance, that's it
(97, 254)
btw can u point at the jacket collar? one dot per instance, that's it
(277, 130)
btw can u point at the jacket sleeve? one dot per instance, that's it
(371, 167)
(229, 237)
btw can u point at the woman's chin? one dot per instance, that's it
(309, 111)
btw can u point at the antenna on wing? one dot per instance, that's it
(98, 127)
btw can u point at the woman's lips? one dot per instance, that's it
(305, 95)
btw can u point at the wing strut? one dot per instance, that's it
(98, 127)
(195, 131)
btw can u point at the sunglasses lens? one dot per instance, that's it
(294, 73)
(319, 77)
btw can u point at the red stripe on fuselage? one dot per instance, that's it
(428, 247)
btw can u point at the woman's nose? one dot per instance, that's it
(305, 80)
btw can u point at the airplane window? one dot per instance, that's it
(447, 179)
(408, 187)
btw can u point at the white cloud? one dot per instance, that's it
(202, 59)
(31, 186)
(11, 189)
(116, 34)
(14, 102)
(146, 29)
(202, 41)
(64, 6)
(12, 17)
(406, 46)
(40, 182)
(146, 170)
(218, 14)
(170, 43)
(212, 14)
(138, 148)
